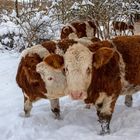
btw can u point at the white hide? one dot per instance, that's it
(89, 30)
(86, 41)
(78, 59)
(56, 87)
(72, 36)
(59, 51)
(106, 101)
(37, 49)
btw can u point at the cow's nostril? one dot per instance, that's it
(80, 95)
(71, 94)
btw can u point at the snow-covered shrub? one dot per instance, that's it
(10, 35)
(37, 26)
(30, 28)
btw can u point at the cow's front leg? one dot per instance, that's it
(55, 107)
(104, 120)
(27, 106)
(128, 100)
(105, 107)
(88, 106)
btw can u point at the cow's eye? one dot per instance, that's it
(63, 71)
(66, 70)
(88, 70)
(50, 78)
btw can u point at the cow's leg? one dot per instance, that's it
(105, 107)
(55, 107)
(120, 32)
(128, 100)
(104, 120)
(27, 106)
(124, 32)
(132, 31)
(115, 32)
(88, 106)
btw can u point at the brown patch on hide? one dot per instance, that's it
(64, 44)
(54, 60)
(50, 46)
(99, 44)
(95, 39)
(80, 28)
(28, 79)
(129, 48)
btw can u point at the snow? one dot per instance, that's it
(87, 2)
(8, 27)
(75, 6)
(77, 122)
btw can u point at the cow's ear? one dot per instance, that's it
(102, 56)
(65, 29)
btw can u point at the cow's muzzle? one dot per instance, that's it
(78, 95)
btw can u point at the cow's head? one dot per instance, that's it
(51, 71)
(79, 65)
(66, 30)
(69, 32)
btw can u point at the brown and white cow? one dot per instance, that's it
(79, 29)
(40, 75)
(40, 72)
(101, 73)
(122, 27)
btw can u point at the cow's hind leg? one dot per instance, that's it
(55, 107)
(27, 106)
(128, 100)
(132, 31)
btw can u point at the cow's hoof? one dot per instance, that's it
(102, 133)
(128, 100)
(88, 106)
(128, 104)
(57, 117)
(22, 114)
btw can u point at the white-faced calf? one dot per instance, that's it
(39, 76)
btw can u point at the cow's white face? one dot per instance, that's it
(79, 65)
(54, 79)
(78, 69)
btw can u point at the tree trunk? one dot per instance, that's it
(16, 8)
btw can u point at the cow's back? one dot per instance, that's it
(28, 79)
(119, 25)
(129, 48)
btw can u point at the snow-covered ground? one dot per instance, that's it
(77, 122)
